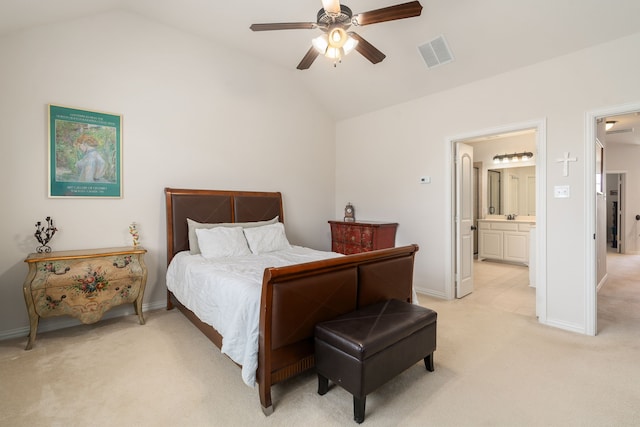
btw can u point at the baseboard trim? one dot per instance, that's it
(52, 324)
(602, 282)
(431, 293)
(571, 327)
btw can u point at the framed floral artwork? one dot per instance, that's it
(85, 153)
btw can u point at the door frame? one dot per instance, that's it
(477, 185)
(540, 127)
(591, 291)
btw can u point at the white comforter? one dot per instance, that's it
(225, 293)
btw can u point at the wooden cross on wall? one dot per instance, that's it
(566, 160)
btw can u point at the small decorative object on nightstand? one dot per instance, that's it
(83, 284)
(350, 237)
(349, 213)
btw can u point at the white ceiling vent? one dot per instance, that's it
(436, 52)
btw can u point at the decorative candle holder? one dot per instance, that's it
(44, 235)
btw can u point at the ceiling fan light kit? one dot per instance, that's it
(334, 19)
(335, 44)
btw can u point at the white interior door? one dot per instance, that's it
(464, 219)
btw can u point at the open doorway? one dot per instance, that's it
(618, 129)
(508, 143)
(615, 206)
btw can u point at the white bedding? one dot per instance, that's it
(225, 293)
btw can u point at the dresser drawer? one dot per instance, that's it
(347, 248)
(359, 236)
(87, 274)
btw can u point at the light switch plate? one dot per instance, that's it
(561, 191)
(425, 180)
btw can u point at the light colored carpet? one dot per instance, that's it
(495, 366)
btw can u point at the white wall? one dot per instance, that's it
(195, 115)
(395, 146)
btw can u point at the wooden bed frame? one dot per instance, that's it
(294, 298)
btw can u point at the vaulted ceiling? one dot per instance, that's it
(486, 38)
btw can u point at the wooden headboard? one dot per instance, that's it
(214, 206)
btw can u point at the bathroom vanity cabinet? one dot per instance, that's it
(504, 240)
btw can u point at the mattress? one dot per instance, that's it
(225, 293)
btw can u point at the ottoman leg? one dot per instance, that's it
(358, 408)
(323, 385)
(428, 362)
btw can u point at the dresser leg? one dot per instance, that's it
(138, 306)
(32, 332)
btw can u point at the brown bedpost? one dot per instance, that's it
(169, 302)
(263, 375)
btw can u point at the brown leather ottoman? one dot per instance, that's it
(364, 349)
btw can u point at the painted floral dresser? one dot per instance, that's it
(83, 284)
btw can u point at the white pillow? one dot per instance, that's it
(192, 225)
(267, 238)
(222, 242)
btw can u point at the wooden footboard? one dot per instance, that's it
(296, 298)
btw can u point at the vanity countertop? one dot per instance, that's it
(519, 219)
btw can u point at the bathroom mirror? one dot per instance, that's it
(511, 191)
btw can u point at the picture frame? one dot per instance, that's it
(85, 153)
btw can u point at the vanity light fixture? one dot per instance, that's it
(609, 124)
(508, 158)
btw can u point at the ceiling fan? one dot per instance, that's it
(334, 19)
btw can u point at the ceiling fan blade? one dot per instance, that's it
(331, 6)
(391, 13)
(367, 50)
(284, 26)
(308, 59)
